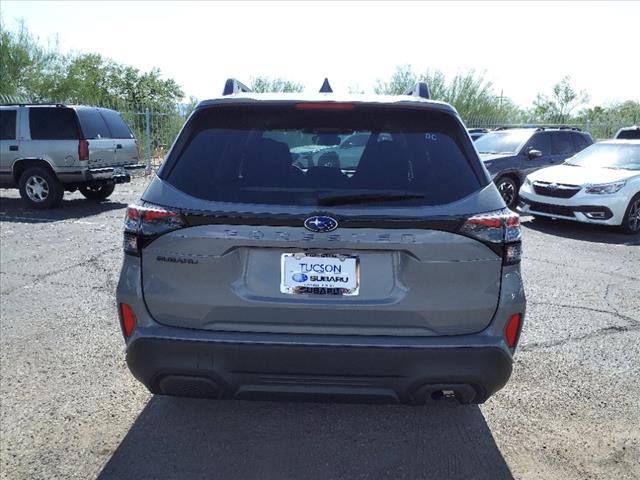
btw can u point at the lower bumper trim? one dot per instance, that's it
(319, 373)
(596, 212)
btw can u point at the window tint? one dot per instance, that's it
(92, 123)
(540, 141)
(241, 154)
(562, 144)
(506, 141)
(53, 123)
(117, 126)
(7, 124)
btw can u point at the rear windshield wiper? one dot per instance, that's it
(346, 199)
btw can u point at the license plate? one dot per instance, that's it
(329, 274)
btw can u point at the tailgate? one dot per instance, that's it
(411, 282)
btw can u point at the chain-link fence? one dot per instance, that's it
(154, 125)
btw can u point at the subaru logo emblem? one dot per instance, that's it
(321, 224)
(553, 186)
(299, 277)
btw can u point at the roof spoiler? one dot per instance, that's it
(232, 86)
(420, 89)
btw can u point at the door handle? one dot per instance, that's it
(13, 148)
(119, 146)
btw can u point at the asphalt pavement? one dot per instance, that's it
(70, 409)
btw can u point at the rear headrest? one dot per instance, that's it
(383, 165)
(266, 162)
(329, 159)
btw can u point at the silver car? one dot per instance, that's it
(396, 279)
(46, 150)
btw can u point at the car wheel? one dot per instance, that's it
(40, 188)
(97, 192)
(508, 189)
(631, 220)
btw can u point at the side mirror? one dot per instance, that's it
(534, 154)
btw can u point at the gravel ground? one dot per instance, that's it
(70, 409)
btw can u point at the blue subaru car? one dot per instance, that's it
(510, 154)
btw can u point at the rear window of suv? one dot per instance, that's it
(93, 125)
(117, 126)
(243, 154)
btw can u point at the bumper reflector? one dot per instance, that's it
(512, 330)
(128, 319)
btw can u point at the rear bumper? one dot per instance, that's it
(182, 362)
(118, 174)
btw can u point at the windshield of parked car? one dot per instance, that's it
(507, 141)
(244, 154)
(608, 155)
(630, 134)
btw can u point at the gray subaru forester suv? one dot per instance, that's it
(395, 278)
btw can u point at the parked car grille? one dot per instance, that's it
(558, 190)
(551, 209)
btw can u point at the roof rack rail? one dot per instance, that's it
(539, 128)
(30, 104)
(420, 89)
(567, 127)
(326, 88)
(232, 86)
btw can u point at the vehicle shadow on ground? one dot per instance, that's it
(580, 231)
(13, 210)
(188, 438)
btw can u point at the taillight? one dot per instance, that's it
(499, 230)
(512, 330)
(143, 223)
(128, 319)
(83, 149)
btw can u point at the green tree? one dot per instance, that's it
(277, 84)
(558, 106)
(44, 74)
(22, 60)
(469, 92)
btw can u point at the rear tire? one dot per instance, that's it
(631, 220)
(40, 188)
(508, 189)
(97, 192)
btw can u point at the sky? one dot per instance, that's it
(523, 48)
